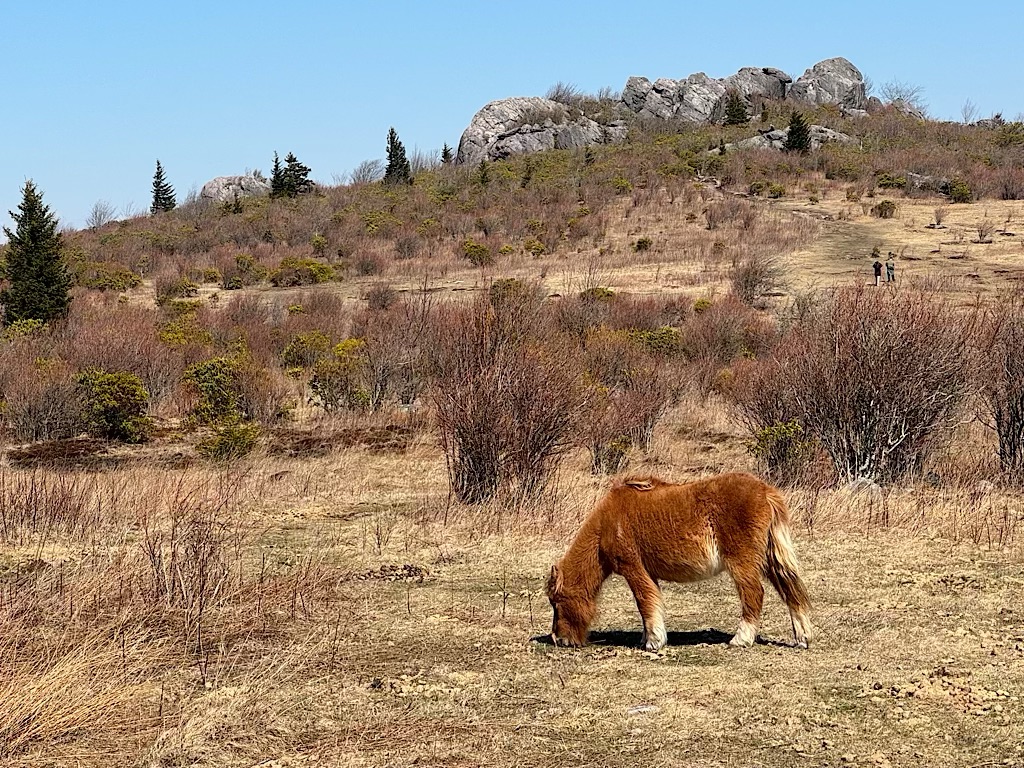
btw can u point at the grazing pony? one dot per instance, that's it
(648, 530)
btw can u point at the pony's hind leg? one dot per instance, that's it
(652, 608)
(751, 593)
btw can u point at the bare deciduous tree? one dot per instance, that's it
(367, 171)
(968, 112)
(102, 212)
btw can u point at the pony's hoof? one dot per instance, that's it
(803, 644)
(741, 642)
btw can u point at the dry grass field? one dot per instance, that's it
(364, 620)
(326, 601)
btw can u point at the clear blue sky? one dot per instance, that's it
(95, 92)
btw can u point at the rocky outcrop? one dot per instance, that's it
(832, 81)
(776, 139)
(529, 124)
(699, 98)
(226, 188)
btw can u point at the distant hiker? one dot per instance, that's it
(890, 268)
(877, 266)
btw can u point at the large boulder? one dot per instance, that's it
(530, 124)
(760, 81)
(224, 189)
(832, 81)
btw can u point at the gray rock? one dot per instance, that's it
(832, 81)
(225, 188)
(513, 126)
(634, 94)
(776, 139)
(908, 109)
(699, 98)
(927, 183)
(763, 81)
(503, 118)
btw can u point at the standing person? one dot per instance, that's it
(890, 268)
(877, 266)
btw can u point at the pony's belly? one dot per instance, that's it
(695, 566)
(691, 572)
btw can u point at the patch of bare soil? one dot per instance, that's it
(299, 443)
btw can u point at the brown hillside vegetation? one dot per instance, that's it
(285, 486)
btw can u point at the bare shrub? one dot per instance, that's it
(1003, 380)
(507, 402)
(633, 388)
(985, 230)
(940, 214)
(878, 379)
(564, 93)
(367, 172)
(719, 334)
(39, 393)
(756, 277)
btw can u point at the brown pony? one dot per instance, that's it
(648, 530)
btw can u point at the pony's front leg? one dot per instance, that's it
(652, 609)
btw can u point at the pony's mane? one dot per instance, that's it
(641, 483)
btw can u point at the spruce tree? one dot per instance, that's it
(446, 154)
(799, 137)
(163, 193)
(296, 177)
(735, 109)
(39, 280)
(398, 171)
(277, 178)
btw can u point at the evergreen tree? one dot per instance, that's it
(799, 137)
(398, 171)
(446, 154)
(290, 180)
(39, 280)
(277, 178)
(735, 109)
(163, 193)
(296, 177)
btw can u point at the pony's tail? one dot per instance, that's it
(783, 571)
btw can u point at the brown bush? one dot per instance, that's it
(1003, 380)
(507, 401)
(878, 379)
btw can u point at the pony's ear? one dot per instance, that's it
(555, 580)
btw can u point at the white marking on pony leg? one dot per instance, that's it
(655, 635)
(745, 635)
(801, 629)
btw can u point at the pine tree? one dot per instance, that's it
(446, 154)
(799, 137)
(735, 109)
(296, 177)
(398, 171)
(39, 280)
(163, 193)
(277, 178)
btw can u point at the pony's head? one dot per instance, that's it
(572, 612)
